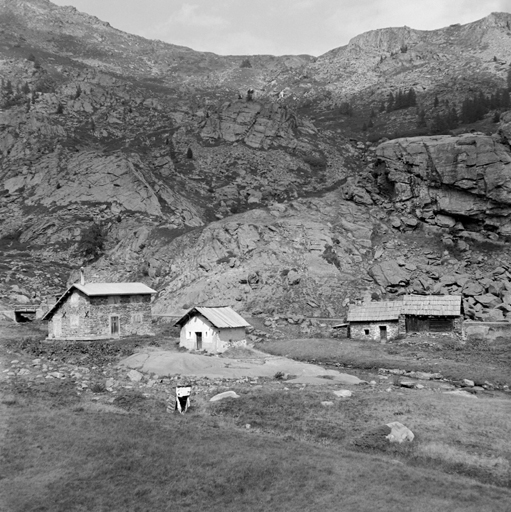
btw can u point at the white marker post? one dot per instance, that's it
(183, 398)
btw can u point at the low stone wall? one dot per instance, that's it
(487, 330)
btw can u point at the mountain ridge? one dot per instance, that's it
(246, 178)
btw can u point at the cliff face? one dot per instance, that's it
(217, 183)
(460, 182)
(305, 257)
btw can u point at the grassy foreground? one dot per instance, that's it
(277, 447)
(63, 458)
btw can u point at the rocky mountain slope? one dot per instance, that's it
(234, 180)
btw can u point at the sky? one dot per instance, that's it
(277, 27)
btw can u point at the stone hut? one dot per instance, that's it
(431, 313)
(213, 329)
(377, 321)
(381, 321)
(101, 311)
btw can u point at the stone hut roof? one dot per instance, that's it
(432, 305)
(416, 305)
(95, 289)
(222, 317)
(375, 311)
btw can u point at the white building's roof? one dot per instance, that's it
(221, 317)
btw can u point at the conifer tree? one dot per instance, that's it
(390, 103)
(421, 121)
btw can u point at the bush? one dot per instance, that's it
(92, 242)
(315, 161)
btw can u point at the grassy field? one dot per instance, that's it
(477, 361)
(277, 447)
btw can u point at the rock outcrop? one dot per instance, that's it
(460, 182)
(258, 125)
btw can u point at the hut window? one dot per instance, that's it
(114, 299)
(74, 320)
(189, 334)
(136, 318)
(366, 332)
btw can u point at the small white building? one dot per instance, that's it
(212, 329)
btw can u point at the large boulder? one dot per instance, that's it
(389, 273)
(399, 433)
(488, 300)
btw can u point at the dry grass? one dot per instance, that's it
(477, 430)
(478, 361)
(66, 460)
(62, 454)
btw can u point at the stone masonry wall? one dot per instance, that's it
(81, 316)
(134, 312)
(371, 330)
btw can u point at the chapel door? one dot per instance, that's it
(198, 337)
(114, 325)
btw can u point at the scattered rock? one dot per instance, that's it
(225, 394)
(135, 376)
(399, 433)
(343, 393)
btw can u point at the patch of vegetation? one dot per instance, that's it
(96, 353)
(190, 462)
(92, 242)
(317, 162)
(330, 256)
(490, 362)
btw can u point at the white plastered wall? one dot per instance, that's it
(213, 339)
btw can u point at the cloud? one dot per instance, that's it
(193, 26)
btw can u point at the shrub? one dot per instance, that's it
(92, 242)
(98, 387)
(330, 256)
(315, 161)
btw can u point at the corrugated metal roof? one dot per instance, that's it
(432, 305)
(375, 311)
(92, 289)
(221, 317)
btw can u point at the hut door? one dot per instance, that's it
(198, 337)
(114, 325)
(417, 324)
(383, 333)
